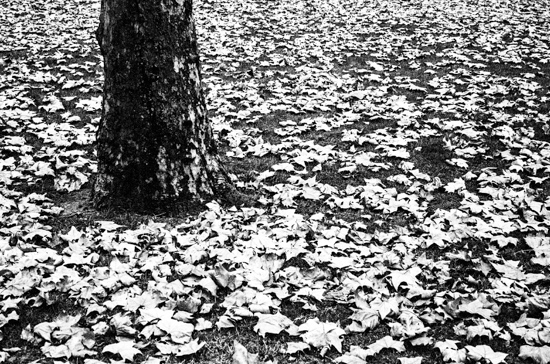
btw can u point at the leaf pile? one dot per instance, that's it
(401, 155)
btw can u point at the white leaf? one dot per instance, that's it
(485, 352)
(272, 324)
(180, 332)
(294, 347)
(540, 354)
(125, 349)
(415, 360)
(242, 356)
(349, 359)
(322, 334)
(387, 342)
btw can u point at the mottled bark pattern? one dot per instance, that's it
(154, 141)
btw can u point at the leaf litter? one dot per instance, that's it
(400, 153)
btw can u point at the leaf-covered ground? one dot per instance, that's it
(396, 155)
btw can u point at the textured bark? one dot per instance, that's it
(154, 141)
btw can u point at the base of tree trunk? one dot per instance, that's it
(226, 194)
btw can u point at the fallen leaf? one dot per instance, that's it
(415, 360)
(322, 334)
(126, 349)
(485, 352)
(242, 356)
(294, 347)
(387, 342)
(540, 354)
(272, 324)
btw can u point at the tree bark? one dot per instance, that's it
(154, 141)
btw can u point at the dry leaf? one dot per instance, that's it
(126, 349)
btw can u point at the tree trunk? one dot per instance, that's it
(154, 141)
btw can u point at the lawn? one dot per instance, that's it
(392, 159)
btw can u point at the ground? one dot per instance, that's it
(391, 160)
